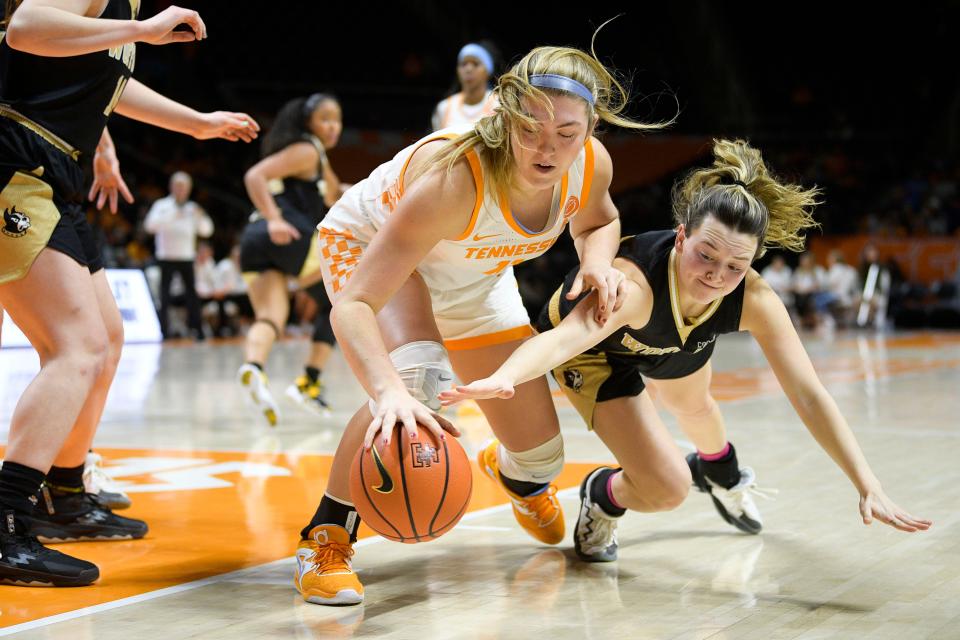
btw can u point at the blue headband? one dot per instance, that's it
(476, 51)
(563, 83)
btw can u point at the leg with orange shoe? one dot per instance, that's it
(530, 457)
(528, 452)
(324, 573)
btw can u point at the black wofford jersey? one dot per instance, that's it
(72, 97)
(669, 346)
(304, 195)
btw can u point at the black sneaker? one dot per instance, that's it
(75, 517)
(595, 536)
(27, 563)
(735, 505)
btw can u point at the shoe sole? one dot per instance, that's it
(93, 538)
(47, 536)
(37, 579)
(117, 506)
(344, 598)
(118, 502)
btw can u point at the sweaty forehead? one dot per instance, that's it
(724, 238)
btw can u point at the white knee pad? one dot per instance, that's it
(425, 370)
(540, 464)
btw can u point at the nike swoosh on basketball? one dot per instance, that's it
(477, 237)
(386, 482)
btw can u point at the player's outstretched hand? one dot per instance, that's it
(875, 505)
(227, 125)
(492, 387)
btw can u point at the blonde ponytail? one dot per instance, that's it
(739, 191)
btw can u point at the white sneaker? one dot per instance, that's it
(309, 395)
(735, 505)
(595, 536)
(257, 391)
(96, 481)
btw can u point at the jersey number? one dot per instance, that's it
(503, 264)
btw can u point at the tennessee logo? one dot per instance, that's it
(15, 223)
(386, 482)
(423, 455)
(573, 204)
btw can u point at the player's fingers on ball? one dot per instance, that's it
(447, 425)
(389, 420)
(409, 424)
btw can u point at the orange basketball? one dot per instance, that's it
(411, 491)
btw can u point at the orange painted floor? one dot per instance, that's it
(198, 533)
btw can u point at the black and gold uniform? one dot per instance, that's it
(52, 114)
(302, 205)
(669, 346)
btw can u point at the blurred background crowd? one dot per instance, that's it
(856, 102)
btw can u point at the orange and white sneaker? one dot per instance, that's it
(324, 574)
(540, 515)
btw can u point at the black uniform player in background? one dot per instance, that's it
(684, 288)
(65, 66)
(280, 244)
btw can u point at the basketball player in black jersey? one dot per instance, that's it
(65, 66)
(685, 288)
(280, 243)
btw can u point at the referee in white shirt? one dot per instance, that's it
(176, 221)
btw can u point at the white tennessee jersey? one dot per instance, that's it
(494, 239)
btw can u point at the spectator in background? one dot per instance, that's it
(779, 276)
(807, 283)
(222, 290)
(875, 294)
(206, 285)
(236, 307)
(475, 72)
(841, 290)
(176, 221)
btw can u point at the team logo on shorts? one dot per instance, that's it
(15, 223)
(573, 378)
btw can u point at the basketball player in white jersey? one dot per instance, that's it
(418, 261)
(475, 100)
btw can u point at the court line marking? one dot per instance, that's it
(224, 577)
